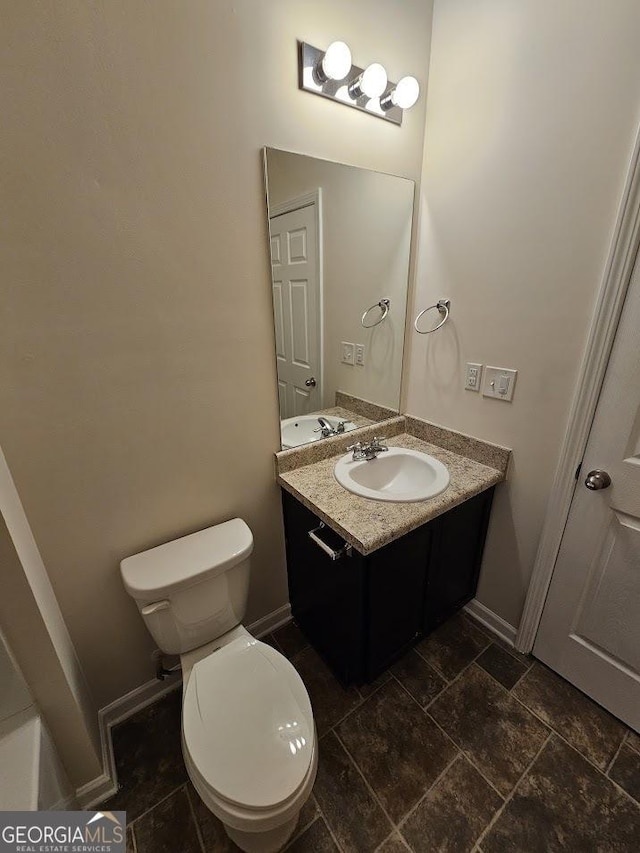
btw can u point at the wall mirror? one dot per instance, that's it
(340, 239)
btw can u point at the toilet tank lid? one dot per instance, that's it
(155, 573)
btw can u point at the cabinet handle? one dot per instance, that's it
(333, 555)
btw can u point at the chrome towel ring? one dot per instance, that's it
(443, 306)
(384, 304)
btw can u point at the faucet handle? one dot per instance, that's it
(354, 447)
(377, 445)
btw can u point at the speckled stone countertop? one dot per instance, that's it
(344, 415)
(368, 524)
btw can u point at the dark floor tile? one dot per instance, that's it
(633, 740)
(453, 645)
(504, 667)
(308, 813)
(270, 640)
(212, 832)
(316, 839)
(168, 828)
(498, 734)
(455, 812)
(565, 804)
(131, 848)
(148, 756)
(290, 639)
(355, 818)
(625, 770)
(368, 689)
(393, 844)
(416, 676)
(398, 748)
(330, 701)
(587, 726)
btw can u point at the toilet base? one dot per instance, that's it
(270, 841)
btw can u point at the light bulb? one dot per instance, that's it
(336, 62)
(373, 81)
(406, 93)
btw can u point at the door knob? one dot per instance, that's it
(311, 383)
(597, 479)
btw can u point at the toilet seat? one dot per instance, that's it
(248, 728)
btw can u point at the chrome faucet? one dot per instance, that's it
(367, 451)
(326, 429)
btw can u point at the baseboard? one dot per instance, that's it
(106, 785)
(494, 623)
(270, 622)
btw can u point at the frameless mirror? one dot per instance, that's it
(340, 239)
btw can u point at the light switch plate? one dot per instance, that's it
(348, 353)
(473, 376)
(499, 383)
(360, 354)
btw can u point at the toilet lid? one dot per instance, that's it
(248, 725)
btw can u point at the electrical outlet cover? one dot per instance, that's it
(473, 376)
(360, 354)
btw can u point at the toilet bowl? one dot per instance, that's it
(248, 734)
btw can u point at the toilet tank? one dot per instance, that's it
(192, 590)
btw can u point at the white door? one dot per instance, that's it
(590, 628)
(296, 308)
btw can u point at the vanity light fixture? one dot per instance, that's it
(331, 74)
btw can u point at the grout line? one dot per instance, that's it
(521, 678)
(471, 760)
(195, 819)
(613, 760)
(133, 839)
(332, 833)
(562, 737)
(627, 740)
(426, 793)
(366, 782)
(160, 801)
(558, 734)
(508, 799)
(395, 834)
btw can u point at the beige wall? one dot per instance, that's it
(366, 242)
(137, 383)
(532, 112)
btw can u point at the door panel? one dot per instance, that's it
(590, 627)
(296, 307)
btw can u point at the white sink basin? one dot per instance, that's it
(398, 474)
(300, 430)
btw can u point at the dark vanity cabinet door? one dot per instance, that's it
(396, 586)
(456, 554)
(327, 596)
(361, 613)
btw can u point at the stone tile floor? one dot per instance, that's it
(463, 745)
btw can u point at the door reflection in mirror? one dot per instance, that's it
(340, 240)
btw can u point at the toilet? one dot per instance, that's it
(248, 735)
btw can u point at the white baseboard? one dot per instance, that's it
(106, 785)
(496, 624)
(271, 622)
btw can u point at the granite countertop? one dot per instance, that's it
(368, 524)
(344, 415)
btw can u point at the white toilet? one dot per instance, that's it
(248, 735)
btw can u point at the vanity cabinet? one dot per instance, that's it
(362, 612)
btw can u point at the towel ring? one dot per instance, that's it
(384, 304)
(443, 306)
